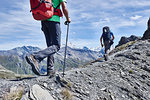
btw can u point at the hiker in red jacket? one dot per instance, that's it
(52, 32)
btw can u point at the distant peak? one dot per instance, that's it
(85, 48)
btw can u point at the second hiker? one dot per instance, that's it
(52, 32)
(107, 37)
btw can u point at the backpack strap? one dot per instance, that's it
(57, 6)
(58, 11)
(41, 1)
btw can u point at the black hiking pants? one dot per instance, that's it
(52, 34)
(107, 45)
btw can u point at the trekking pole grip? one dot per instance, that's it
(66, 23)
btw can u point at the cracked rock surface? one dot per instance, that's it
(126, 76)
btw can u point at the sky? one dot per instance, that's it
(124, 17)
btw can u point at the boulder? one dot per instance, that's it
(125, 40)
(40, 94)
(146, 35)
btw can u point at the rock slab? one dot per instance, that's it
(146, 35)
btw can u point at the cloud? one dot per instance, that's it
(126, 24)
(99, 13)
(25, 42)
(17, 25)
(17, 20)
(136, 17)
(88, 18)
(86, 42)
(114, 13)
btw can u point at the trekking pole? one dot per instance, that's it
(66, 23)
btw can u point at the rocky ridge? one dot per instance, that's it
(126, 76)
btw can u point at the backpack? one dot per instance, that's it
(106, 34)
(43, 9)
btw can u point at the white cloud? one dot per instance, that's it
(26, 42)
(91, 17)
(127, 24)
(18, 28)
(136, 17)
(18, 20)
(85, 42)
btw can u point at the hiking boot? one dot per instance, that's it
(34, 63)
(51, 73)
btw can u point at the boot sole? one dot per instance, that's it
(34, 69)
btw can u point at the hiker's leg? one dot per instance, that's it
(48, 37)
(53, 48)
(56, 38)
(106, 44)
(106, 50)
(54, 33)
(46, 52)
(50, 63)
(109, 45)
(47, 33)
(45, 30)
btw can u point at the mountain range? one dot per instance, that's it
(14, 59)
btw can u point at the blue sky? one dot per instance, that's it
(125, 17)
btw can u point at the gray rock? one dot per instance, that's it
(125, 40)
(25, 97)
(38, 93)
(125, 77)
(146, 35)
